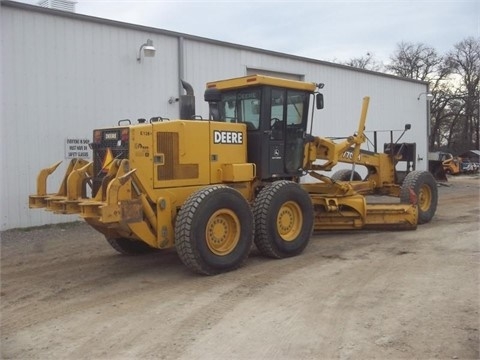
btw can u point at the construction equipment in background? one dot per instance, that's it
(451, 165)
(211, 187)
(454, 165)
(435, 166)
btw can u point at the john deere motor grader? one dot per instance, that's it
(210, 188)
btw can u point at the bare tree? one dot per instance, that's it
(464, 61)
(454, 81)
(416, 61)
(366, 62)
(440, 116)
(422, 62)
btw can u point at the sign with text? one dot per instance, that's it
(77, 148)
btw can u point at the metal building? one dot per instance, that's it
(64, 74)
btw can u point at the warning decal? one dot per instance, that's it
(107, 161)
(77, 148)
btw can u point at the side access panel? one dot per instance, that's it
(181, 154)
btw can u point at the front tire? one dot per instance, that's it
(214, 230)
(424, 186)
(345, 174)
(284, 218)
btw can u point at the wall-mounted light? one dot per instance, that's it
(148, 50)
(428, 96)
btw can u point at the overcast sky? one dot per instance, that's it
(320, 29)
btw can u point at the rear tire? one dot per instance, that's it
(424, 185)
(283, 219)
(344, 175)
(127, 246)
(214, 230)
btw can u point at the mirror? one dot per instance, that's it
(319, 101)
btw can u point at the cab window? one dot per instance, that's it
(295, 103)
(289, 102)
(287, 108)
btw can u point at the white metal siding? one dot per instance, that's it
(63, 78)
(64, 75)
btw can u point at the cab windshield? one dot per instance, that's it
(242, 106)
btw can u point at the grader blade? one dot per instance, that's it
(391, 217)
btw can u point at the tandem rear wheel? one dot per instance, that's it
(214, 230)
(284, 218)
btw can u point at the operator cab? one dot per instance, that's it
(275, 112)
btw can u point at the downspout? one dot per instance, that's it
(429, 103)
(180, 65)
(429, 120)
(186, 102)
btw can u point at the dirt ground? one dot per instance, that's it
(65, 294)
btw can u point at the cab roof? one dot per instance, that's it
(250, 80)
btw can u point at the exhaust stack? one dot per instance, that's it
(187, 102)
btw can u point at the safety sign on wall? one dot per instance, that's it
(77, 148)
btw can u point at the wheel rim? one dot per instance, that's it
(222, 232)
(424, 198)
(289, 221)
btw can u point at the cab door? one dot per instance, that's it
(288, 115)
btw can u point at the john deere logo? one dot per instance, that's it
(276, 155)
(227, 137)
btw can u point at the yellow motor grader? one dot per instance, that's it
(211, 187)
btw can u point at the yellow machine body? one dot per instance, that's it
(168, 161)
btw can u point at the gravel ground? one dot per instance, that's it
(65, 294)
